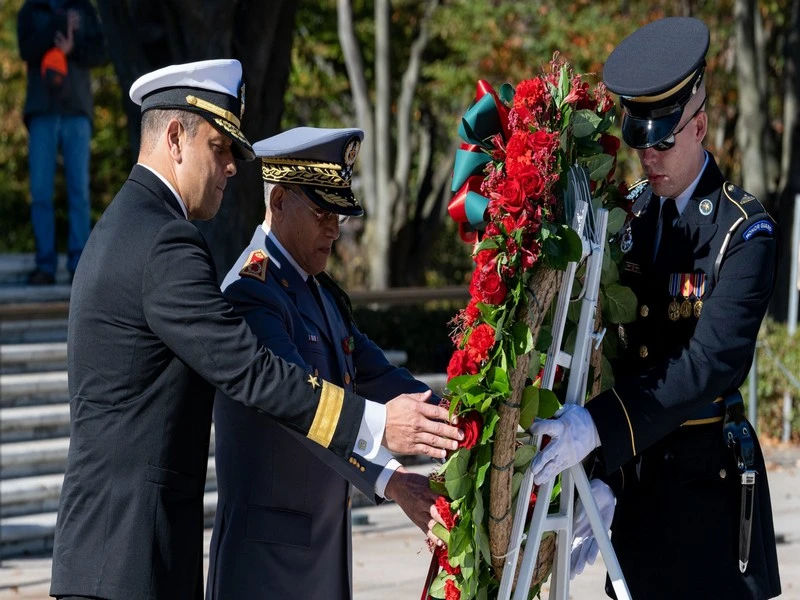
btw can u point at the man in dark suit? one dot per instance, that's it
(150, 337)
(282, 526)
(693, 516)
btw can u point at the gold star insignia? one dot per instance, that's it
(313, 382)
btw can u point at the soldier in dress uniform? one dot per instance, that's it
(693, 516)
(151, 337)
(282, 526)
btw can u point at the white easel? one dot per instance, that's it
(592, 234)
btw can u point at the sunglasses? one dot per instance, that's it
(669, 141)
(321, 214)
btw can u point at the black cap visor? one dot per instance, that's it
(642, 132)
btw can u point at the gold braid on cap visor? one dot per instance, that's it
(305, 172)
(214, 109)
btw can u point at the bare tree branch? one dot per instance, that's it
(405, 104)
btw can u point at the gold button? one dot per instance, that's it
(723, 473)
(347, 378)
(284, 283)
(363, 469)
(643, 352)
(644, 310)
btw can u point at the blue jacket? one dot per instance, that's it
(282, 526)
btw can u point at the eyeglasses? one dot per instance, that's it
(669, 141)
(321, 214)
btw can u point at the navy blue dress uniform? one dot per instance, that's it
(701, 299)
(150, 337)
(282, 527)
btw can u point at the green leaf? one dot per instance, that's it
(610, 273)
(498, 381)
(616, 220)
(599, 166)
(456, 479)
(548, 404)
(483, 543)
(460, 384)
(545, 338)
(523, 456)
(619, 303)
(522, 337)
(530, 406)
(516, 481)
(584, 123)
(437, 587)
(438, 487)
(487, 243)
(483, 461)
(573, 244)
(441, 532)
(490, 421)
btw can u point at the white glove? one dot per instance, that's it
(573, 435)
(584, 544)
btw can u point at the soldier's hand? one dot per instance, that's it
(413, 494)
(415, 427)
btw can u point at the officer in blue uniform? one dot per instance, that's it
(282, 526)
(693, 516)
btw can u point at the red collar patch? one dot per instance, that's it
(256, 266)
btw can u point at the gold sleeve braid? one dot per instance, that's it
(327, 416)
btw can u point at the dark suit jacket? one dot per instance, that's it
(282, 527)
(150, 337)
(676, 526)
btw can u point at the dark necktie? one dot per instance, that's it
(666, 225)
(312, 285)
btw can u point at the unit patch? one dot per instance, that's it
(256, 266)
(706, 207)
(763, 226)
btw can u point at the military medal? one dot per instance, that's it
(687, 291)
(686, 309)
(674, 309)
(699, 292)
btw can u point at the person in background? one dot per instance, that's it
(60, 40)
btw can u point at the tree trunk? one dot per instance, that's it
(752, 125)
(144, 36)
(790, 166)
(544, 286)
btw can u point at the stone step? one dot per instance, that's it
(22, 423)
(40, 457)
(18, 389)
(33, 534)
(20, 293)
(33, 331)
(32, 495)
(14, 268)
(26, 358)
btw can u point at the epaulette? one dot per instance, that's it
(636, 195)
(342, 299)
(747, 207)
(746, 203)
(255, 267)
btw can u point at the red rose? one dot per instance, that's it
(489, 285)
(541, 141)
(485, 256)
(480, 342)
(492, 229)
(451, 591)
(461, 364)
(444, 562)
(533, 184)
(471, 424)
(610, 144)
(511, 195)
(444, 510)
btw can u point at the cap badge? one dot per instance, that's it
(706, 207)
(626, 242)
(351, 151)
(256, 266)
